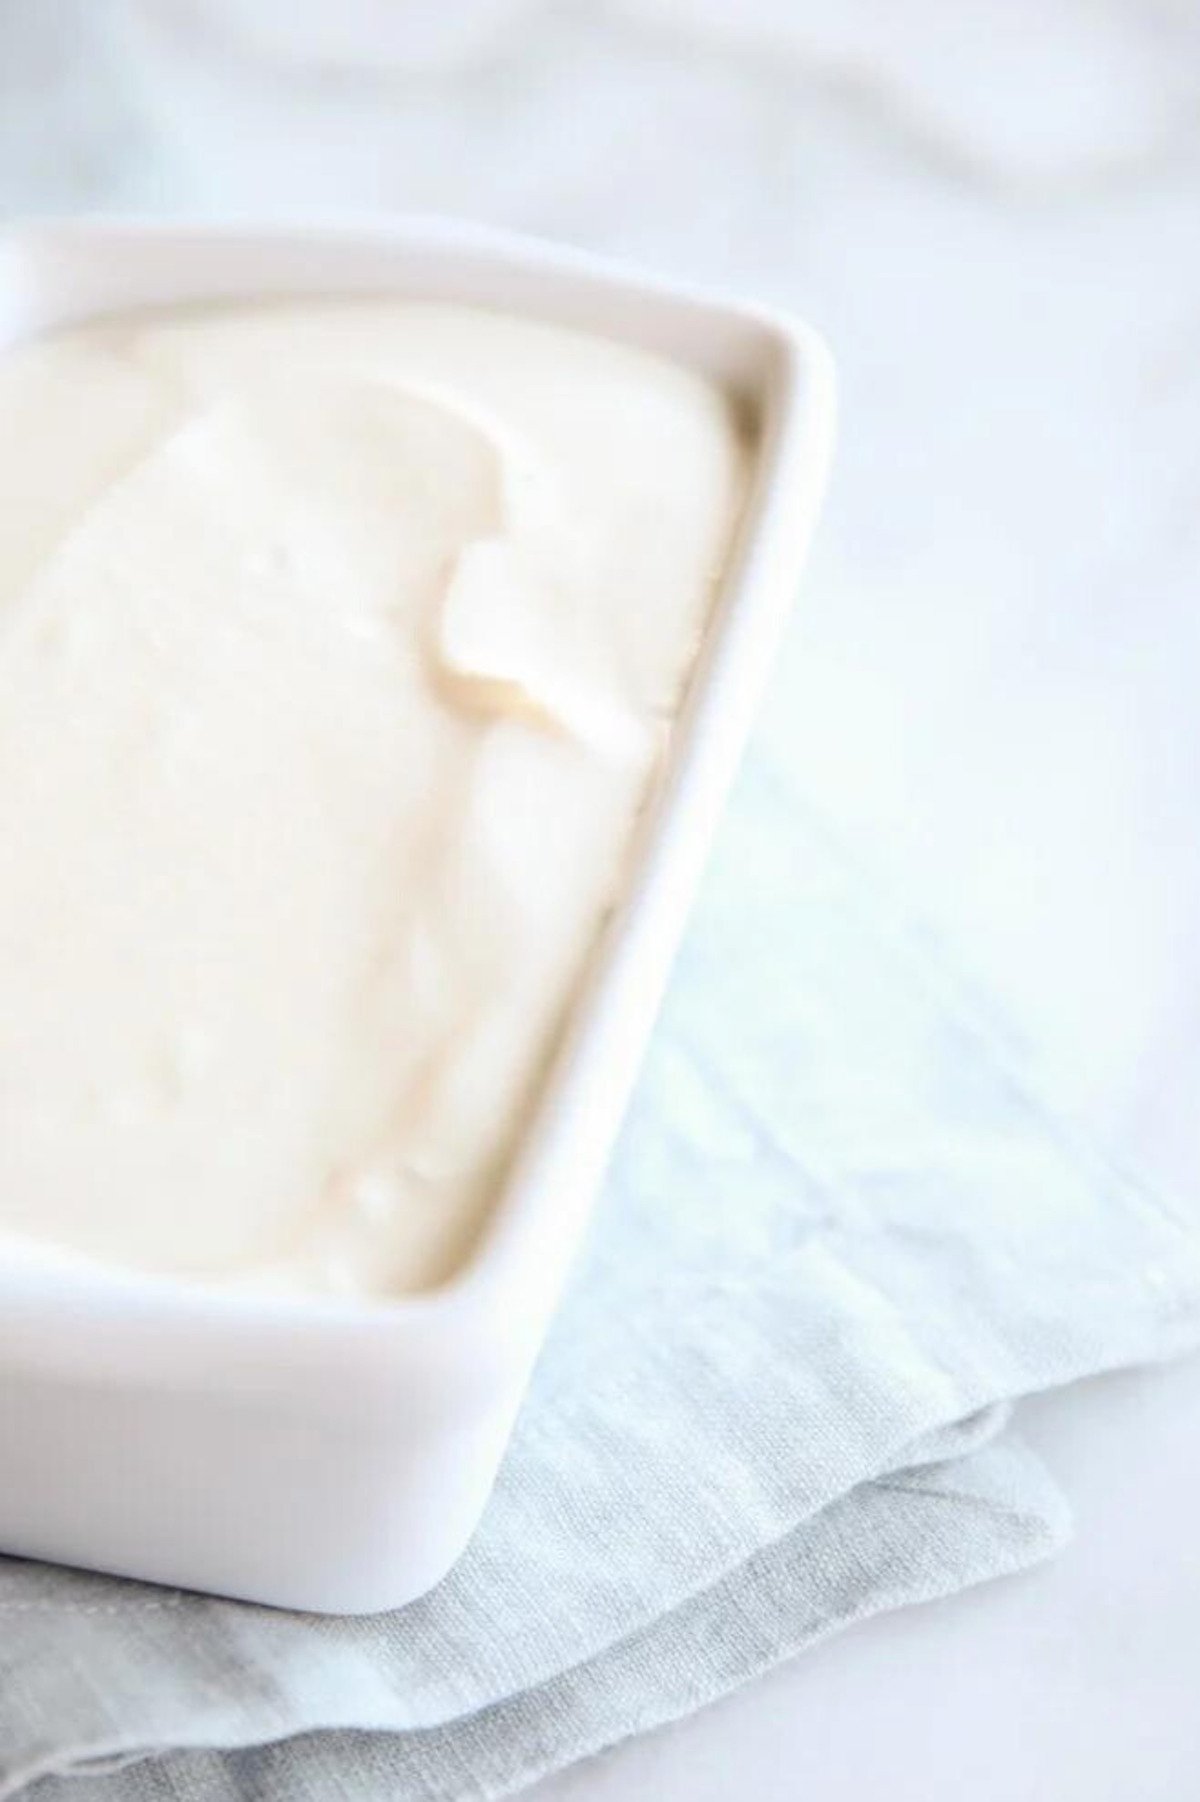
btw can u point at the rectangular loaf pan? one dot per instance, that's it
(331, 1455)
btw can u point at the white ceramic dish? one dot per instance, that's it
(337, 1456)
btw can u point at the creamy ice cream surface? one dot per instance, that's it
(339, 642)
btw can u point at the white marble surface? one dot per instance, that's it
(994, 212)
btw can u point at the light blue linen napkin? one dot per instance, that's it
(839, 1239)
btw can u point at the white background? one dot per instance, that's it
(993, 210)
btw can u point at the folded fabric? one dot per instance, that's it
(839, 1238)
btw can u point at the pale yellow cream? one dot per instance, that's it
(338, 645)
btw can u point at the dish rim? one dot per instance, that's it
(62, 1309)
